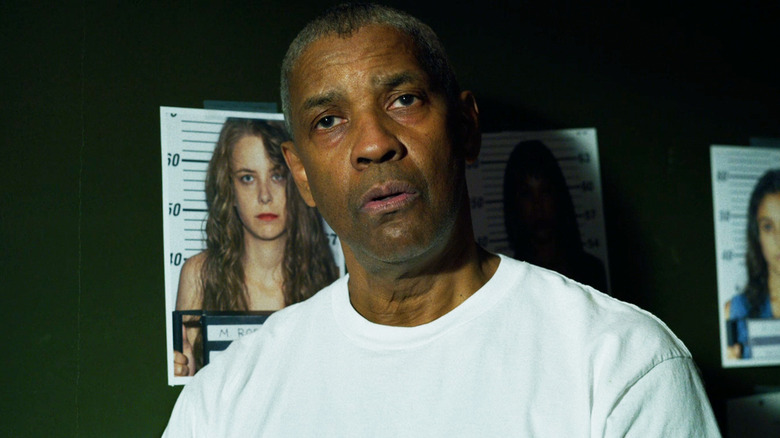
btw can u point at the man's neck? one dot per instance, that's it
(414, 294)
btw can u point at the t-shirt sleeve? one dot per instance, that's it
(667, 401)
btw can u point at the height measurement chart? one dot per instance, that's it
(736, 171)
(576, 153)
(188, 138)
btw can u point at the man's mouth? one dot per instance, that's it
(387, 197)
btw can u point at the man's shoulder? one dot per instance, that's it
(232, 368)
(588, 316)
(296, 313)
(288, 322)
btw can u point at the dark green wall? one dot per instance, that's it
(80, 209)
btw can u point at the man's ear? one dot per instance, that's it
(298, 172)
(471, 134)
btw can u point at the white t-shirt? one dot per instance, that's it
(531, 353)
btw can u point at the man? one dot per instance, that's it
(429, 335)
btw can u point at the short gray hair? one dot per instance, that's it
(347, 18)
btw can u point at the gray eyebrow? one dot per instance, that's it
(389, 81)
(397, 79)
(320, 100)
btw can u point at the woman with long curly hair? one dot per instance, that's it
(761, 296)
(265, 248)
(541, 224)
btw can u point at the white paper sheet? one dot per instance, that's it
(735, 171)
(188, 137)
(576, 151)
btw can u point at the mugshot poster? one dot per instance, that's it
(746, 258)
(188, 140)
(555, 205)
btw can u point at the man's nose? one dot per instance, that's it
(375, 141)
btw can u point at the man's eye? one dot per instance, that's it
(405, 100)
(328, 122)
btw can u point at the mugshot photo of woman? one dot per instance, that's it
(761, 296)
(539, 216)
(265, 248)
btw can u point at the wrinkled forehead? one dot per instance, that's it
(334, 66)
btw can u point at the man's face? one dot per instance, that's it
(372, 147)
